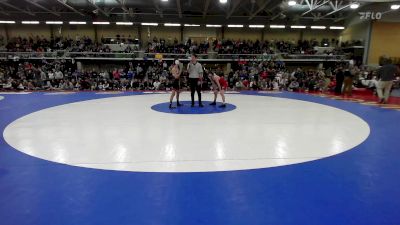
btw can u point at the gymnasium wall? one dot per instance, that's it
(45, 30)
(168, 33)
(28, 30)
(74, 31)
(112, 31)
(320, 34)
(2, 35)
(356, 29)
(385, 37)
(242, 34)
(201, 33)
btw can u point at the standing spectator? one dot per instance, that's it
(348, 82)
(50, 75)
(339, 80)
(58, 75)
(116, 74)
(386, 75)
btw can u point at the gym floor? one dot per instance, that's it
(267, 158)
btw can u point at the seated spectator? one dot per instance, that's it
(20, 86)
(58, 75)
(294, 86)
(254, 85)
(239, 85)
(156, 84)
(8, 85)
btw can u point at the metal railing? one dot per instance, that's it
(100, 55)
(141, 55)
(32, 55)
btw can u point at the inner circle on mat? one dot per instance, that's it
(124, 133)
(187, 108)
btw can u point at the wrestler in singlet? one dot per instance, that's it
(176, 84)
(219, 85)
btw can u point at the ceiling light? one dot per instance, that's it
(336, 28)
(77, 22)
(30, 22)
(164, 0)
(213, 25)
(7, 21)
(54, 22)
(172, 24)
(223, 1)
(235, 25)
(124, 23)
(149, 24)
(256, 26)
(298, 27)
(292, 3)
(101, 23)
(276, 26)
(318, 27)
(354, 5)
(192, 25)
(395, 7)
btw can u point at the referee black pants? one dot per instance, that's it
(195, 86)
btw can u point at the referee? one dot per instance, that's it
(195, 71)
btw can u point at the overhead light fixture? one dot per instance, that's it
(336, 28)
(223, 1)
(292, 3)
(213, 25)
(54, 22)
(318, 27)
(150, 24)
(30, 22)
(77, 22)
(256, 26)
(235, 25)
(7, 21)
(395, 7)
(192, 25)
(164, 0)
(354, 5)
(298, 27)
(100, 23)
(172, 24)
(124, 23)
(277, 26)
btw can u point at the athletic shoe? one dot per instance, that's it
(179, 104)
(213, 103)
(201, 105)
(222, 106)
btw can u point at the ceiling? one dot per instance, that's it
(306, 12)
